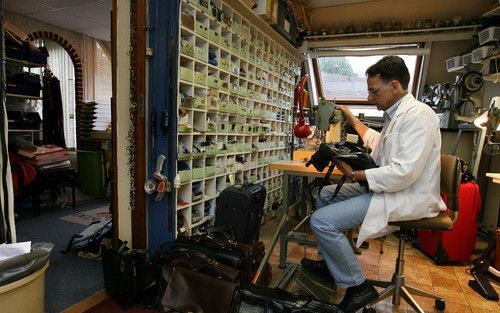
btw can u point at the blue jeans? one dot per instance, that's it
(328, 223)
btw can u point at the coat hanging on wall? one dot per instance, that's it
(53, 122)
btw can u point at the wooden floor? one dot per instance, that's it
(448, 281)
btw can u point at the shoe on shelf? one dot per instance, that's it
(318, 266)
(355, 300)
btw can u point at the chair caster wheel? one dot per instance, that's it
(440, 304)
(369, 310)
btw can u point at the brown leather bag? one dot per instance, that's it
(190, 279)
(189, 291)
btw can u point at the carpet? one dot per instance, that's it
(87, 217)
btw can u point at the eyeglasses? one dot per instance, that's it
(374, 91)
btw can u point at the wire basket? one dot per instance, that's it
(480, 53)
(454, 63)
(489, 34)
(467, 58)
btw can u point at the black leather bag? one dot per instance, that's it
(220, 246)
(259, 299)
(216, 248)
(131, 276)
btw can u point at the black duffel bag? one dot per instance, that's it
(259, 299)
(220, 246)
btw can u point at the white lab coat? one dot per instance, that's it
(406, 185)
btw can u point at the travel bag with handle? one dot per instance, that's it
(241, 207)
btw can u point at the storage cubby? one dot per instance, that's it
(235, 95)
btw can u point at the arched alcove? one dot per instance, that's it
(77, 62)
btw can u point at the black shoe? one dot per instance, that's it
(318, 266)
(355, 300)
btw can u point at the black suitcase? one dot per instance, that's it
(241, 207)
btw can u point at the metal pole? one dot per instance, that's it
(270, 250)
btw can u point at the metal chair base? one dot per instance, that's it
(397, 288)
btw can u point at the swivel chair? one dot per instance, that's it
(450, 182)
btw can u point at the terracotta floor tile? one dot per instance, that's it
(385, 274)
(370, 270)
(419, 278)
(442, 281)
(443, 270)
(369, 256)
(476, 309)
(474, 299)
(416, 260)
(451, 295)
(420, 271)
(456, 307)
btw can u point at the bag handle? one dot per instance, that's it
(209, 263)
(226, 232)
(211, 243)
(190, 253)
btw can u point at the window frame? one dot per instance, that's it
(415, 84)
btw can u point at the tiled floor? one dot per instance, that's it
(448, 281)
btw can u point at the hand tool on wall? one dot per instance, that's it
(163, 185)
(160, 183)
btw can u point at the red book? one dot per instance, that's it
(39, 152)
(47, 160)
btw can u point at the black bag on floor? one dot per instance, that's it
(241, 207)
(258, 299)
(222, 247)
(131, 276)
(89, 240)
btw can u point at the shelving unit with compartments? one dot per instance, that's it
(235, 91)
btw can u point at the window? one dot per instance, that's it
(342, 77)
(102, 74)
(61, 65)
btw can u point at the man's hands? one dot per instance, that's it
(345, 110)
(356, 124)
(345, 168)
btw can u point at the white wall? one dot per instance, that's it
(122, 118)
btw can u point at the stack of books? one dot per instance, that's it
(94, 120)
(46, 157)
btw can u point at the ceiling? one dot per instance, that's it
(91, 17)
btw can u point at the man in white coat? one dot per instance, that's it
(405, 186)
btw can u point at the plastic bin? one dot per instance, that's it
(26, 294)
(90, 172)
